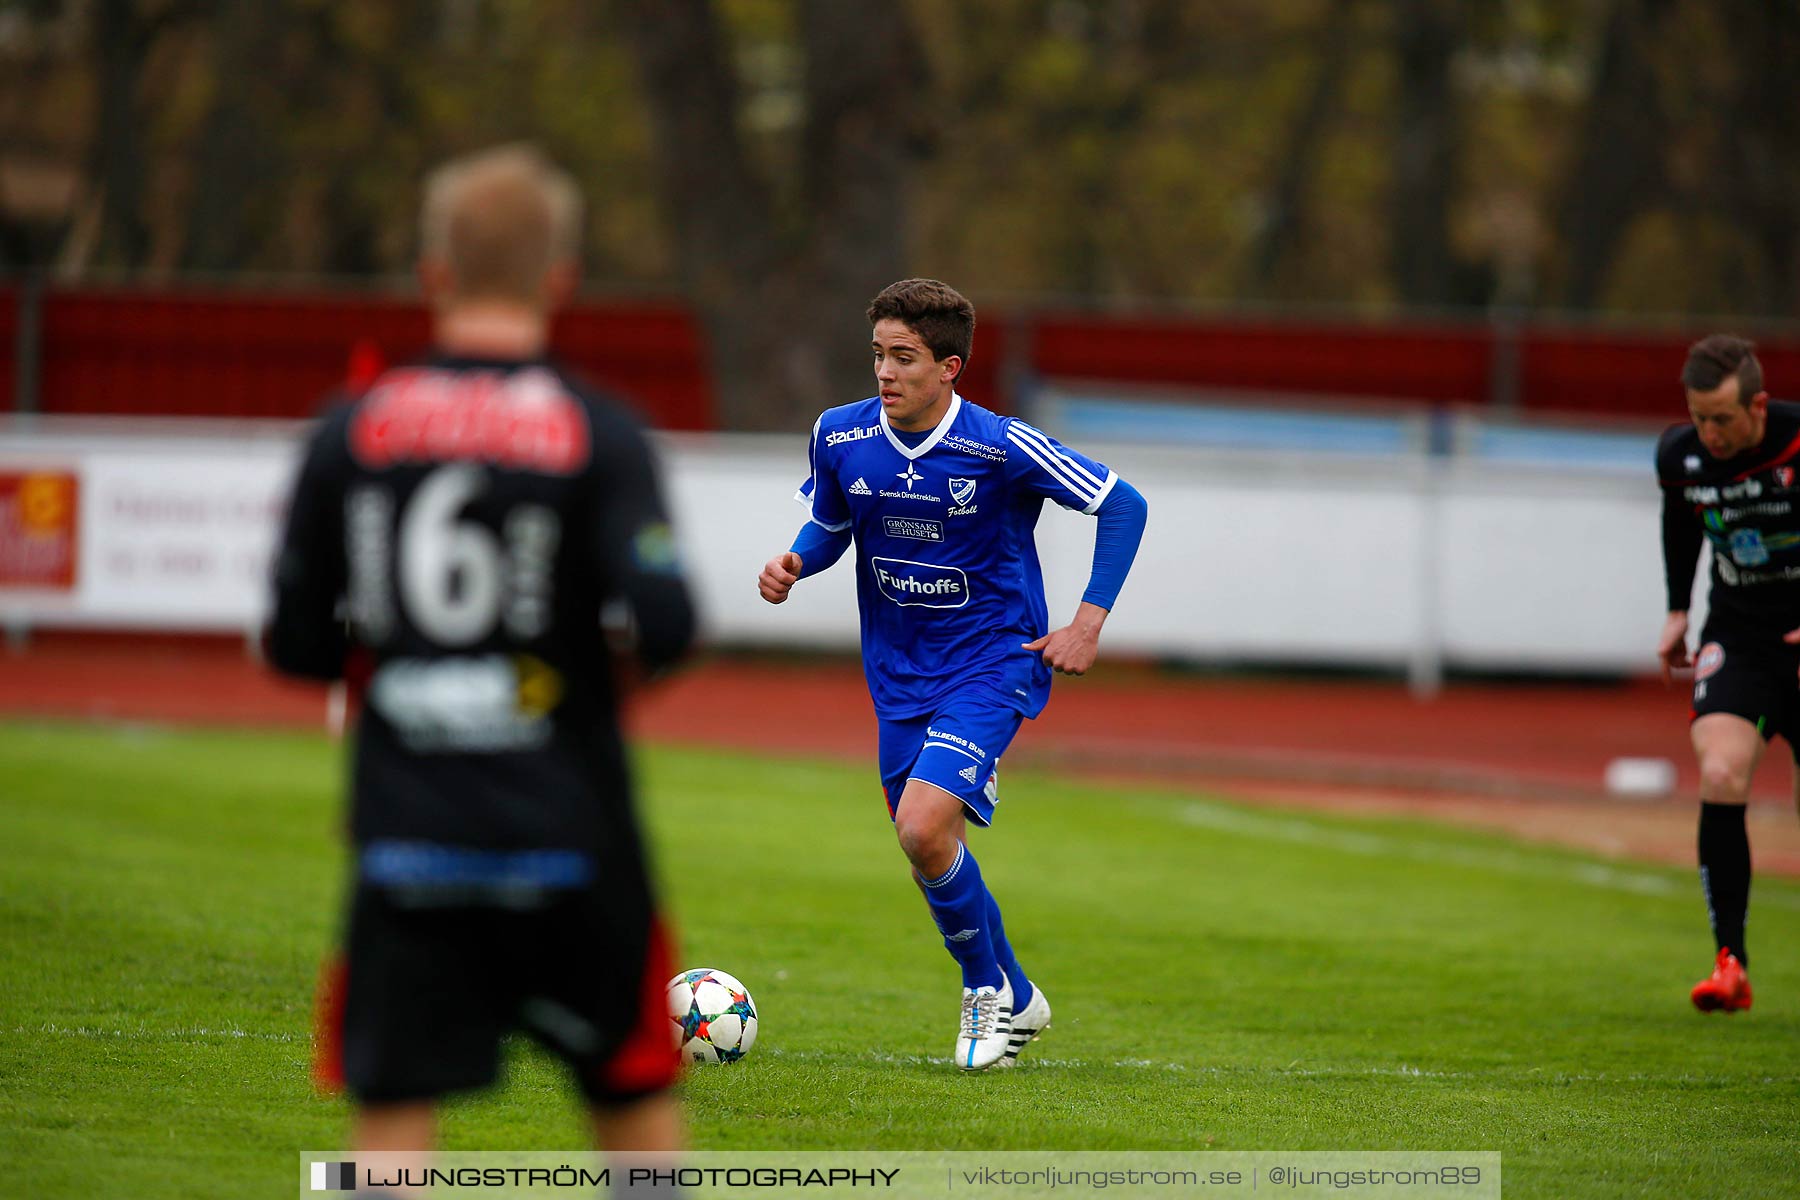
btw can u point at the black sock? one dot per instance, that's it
(1725, 873)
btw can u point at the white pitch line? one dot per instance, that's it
(181, 1033)
(1529, 1074)
(1366, 844)
(1294, 1070)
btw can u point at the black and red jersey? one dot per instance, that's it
(456, 533)
(1746, 507)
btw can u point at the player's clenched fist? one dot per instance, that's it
(1072, 649)
(778, 577)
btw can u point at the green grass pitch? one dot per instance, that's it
(1224, 977)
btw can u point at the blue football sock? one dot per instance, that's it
(1003, 954)
(959, 905)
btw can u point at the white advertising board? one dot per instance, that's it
(1250, 556)
(174, 531)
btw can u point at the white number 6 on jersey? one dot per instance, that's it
(450, 570)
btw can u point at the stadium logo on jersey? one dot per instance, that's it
(852, 435)
(961, 490)
(525, 420)
(917, 530)
(1712, 657)
(860, 487)
(920, 585)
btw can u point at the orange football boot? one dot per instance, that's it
(1727, 989)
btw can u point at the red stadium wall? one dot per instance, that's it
(225, 354)
(1409, 362)
(984, 379)
(1561, 369)
(197, 352)
(1576, 371)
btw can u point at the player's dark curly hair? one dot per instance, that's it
(941, 316)
(1711, 359)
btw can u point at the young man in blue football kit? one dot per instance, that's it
(941, 497)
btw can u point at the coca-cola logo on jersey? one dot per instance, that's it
(524, 420)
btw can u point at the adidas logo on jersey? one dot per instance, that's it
(860, 487)
(968, 773)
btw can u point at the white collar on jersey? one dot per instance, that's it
(937, 434)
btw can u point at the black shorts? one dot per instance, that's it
(419, 1003)
(1756, 677)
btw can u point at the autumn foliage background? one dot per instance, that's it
(774, 162)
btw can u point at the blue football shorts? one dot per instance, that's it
(957, 748)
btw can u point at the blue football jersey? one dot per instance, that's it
(947, 575)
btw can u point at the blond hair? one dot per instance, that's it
(499, 220)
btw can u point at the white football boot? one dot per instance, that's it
(1030, 1021)
(985, 1027)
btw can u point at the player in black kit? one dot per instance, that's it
(1729, 477)
(455, 532)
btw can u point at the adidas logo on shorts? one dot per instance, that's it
(860, 487)
(968, 773)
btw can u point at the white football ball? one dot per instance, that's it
(713, 1016)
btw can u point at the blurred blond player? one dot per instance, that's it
(454, 533)
(941, 498)
(1729, 476)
